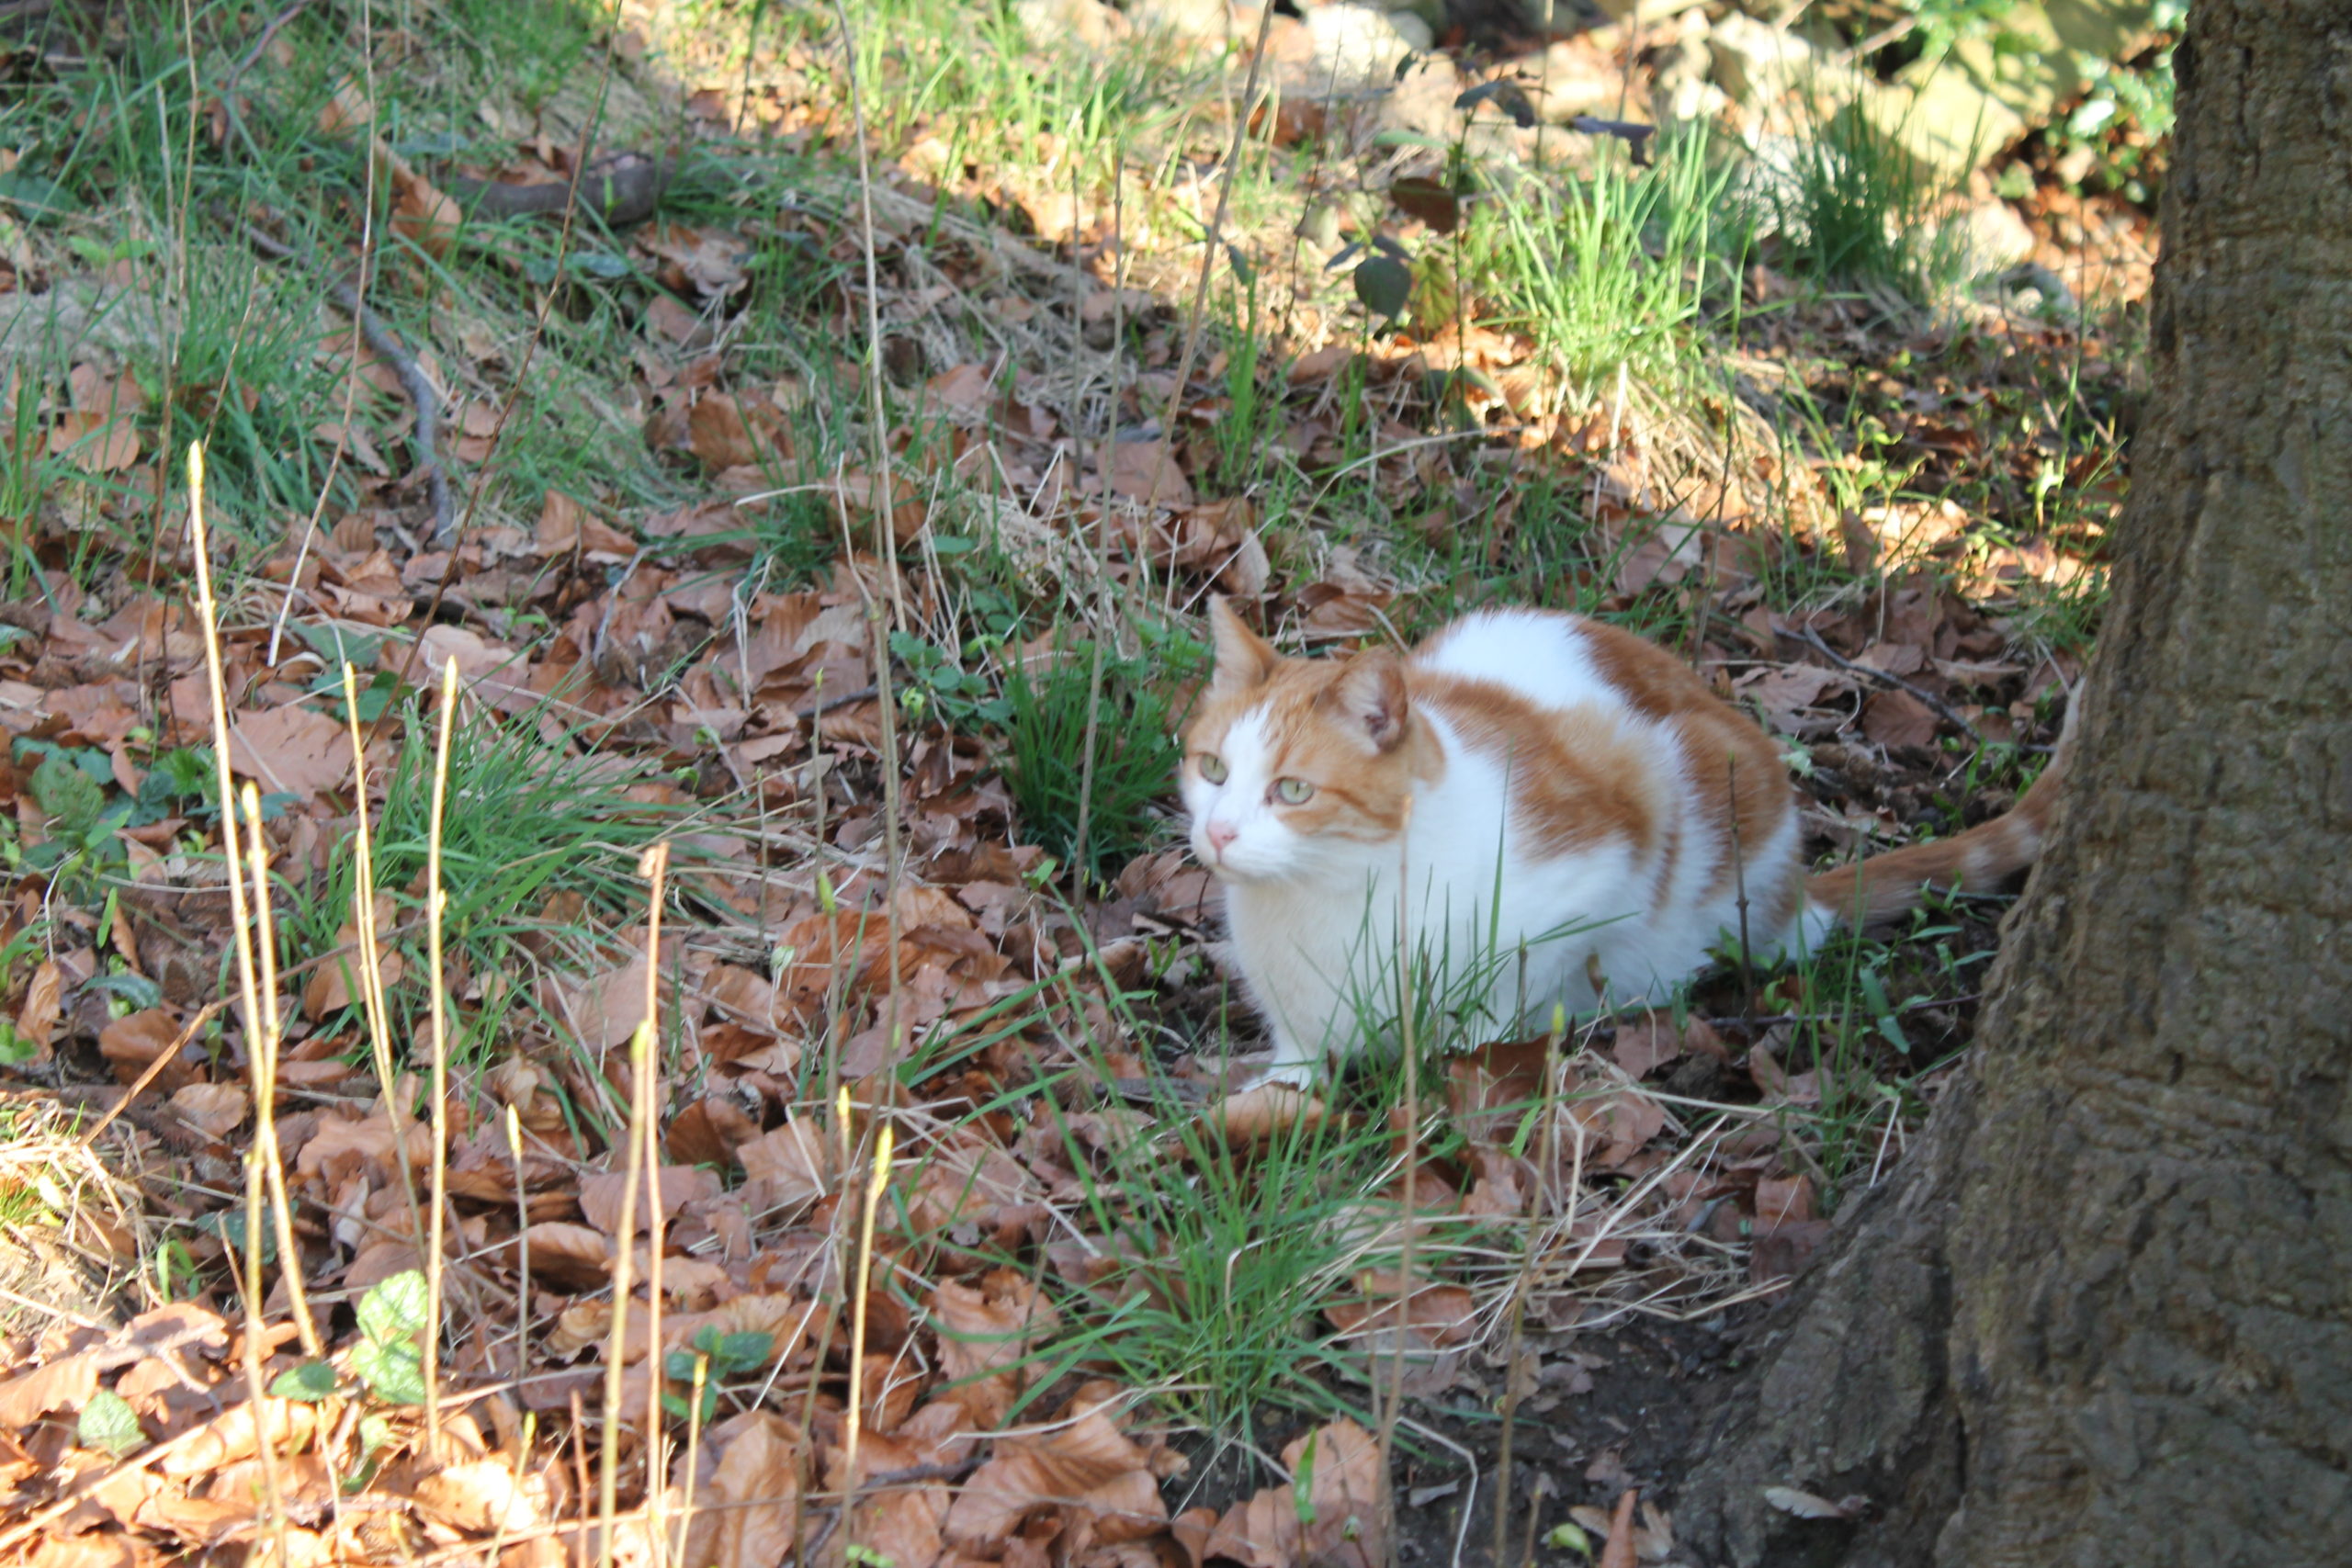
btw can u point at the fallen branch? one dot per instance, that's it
(623, 188)
(423, 396)
(1944, 710)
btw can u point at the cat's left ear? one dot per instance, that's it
(1371, 693)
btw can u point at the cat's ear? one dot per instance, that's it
(1244, 659)
(1371, 693)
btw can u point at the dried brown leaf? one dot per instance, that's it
(215, 1110)
(293, 750)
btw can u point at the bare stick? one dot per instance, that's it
(269, 30)
(1944, 710)
(1546, 1101)
(1395, 1405)
(1739, 882)
(522, 1242)
(641, 1059)
(256, 1391)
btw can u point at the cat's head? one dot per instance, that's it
(1299, 768)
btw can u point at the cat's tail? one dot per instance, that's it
(1978, 861)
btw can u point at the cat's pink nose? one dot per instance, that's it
(1221, 835)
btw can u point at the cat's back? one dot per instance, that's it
(1549, 657)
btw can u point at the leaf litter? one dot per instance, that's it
(807, 992)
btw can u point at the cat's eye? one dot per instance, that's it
(1293, 791)
(1211, 767)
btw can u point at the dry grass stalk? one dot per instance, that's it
(654, 866)
(522, 1243)
(640, 1062)
(1548, 1102)
(264, 1075)
(853, 1411)
(886, 544)
(371, 959)
(1395, 1403)
(435, 902)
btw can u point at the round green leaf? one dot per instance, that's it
(394, 1372)
(393, 1311)
(109, 1426)
(1384, 285)
(310, 1383)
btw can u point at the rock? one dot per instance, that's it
(1573, 78)
(1356, 48)
(1414, 31)
(1757, 63)
(1089, 22)
(2034, 69)
(1422, 102)
(1987, 238)
(1184, 18)
(1643, 12)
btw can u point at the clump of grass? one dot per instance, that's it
(1853, 206)
(539, 849)
(1608, 267)
(1134, 761)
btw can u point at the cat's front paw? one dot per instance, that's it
(1299, 1076)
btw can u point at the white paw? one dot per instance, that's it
(1292, 1075)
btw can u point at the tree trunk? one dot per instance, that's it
(2105, 1315)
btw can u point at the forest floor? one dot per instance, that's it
(804, 1029)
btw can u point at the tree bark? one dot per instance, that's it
(2105, 1315)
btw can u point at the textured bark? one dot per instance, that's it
(2106, 1314)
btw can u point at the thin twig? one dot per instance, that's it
(155, 1068)
(252, 56)
(422, 394)
(1208, 267)
(1944, 710)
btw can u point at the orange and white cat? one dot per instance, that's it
(1557, 797)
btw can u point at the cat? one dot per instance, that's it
(1558, 797)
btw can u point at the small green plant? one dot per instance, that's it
(388, 1358)
(721, 1357)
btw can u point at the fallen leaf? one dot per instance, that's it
(1338, 1525)
(1621, 1551)
(600, 1195)
(1806, 1506)
(1148, 472)
(290, 751)
(216, 1110)
(484, 1496)
(794, 1162)
(44, 1006)
(571, 1254)
(1062, 1469)
(1898, 718)
(744, 1510)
